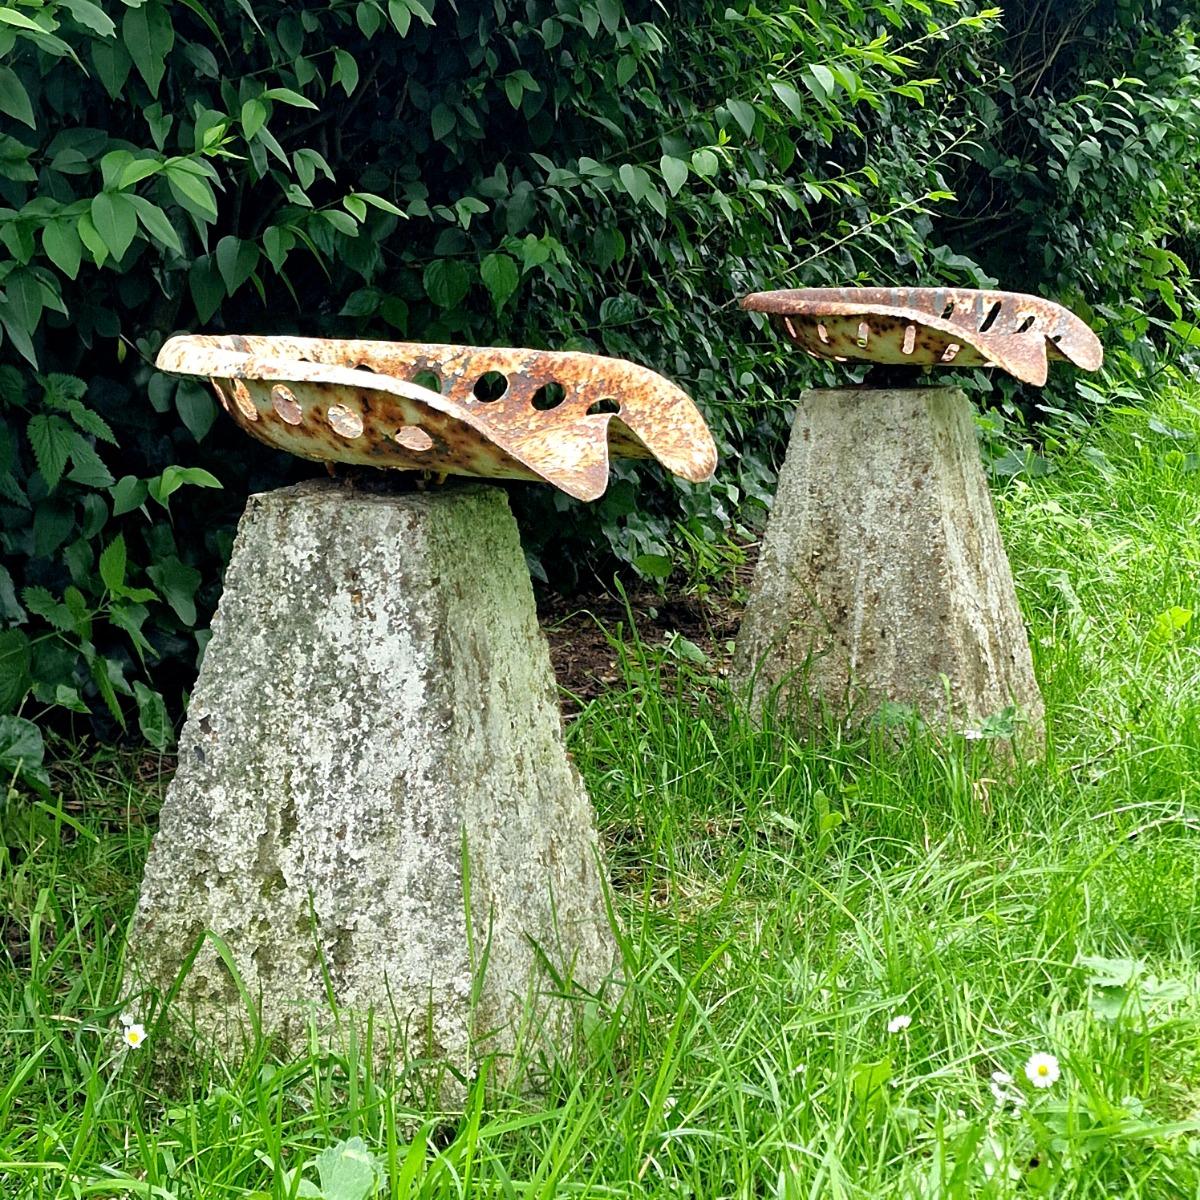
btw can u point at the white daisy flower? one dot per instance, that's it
(134, 1036)
(1042, 1070)
(900, 1022)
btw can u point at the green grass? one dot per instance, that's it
(781, 899)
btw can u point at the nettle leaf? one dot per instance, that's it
(177, 583)
(89, 468)
(15, 660)
(153, 720)
(112, 564)
(42, 604)
(500, 277)
(51, 438)
(447, 282)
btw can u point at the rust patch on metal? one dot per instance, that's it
(492, 412)
(932, 327)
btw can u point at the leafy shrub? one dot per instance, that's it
(570, 173)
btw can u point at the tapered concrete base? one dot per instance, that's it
(882, 575)
(374, 810)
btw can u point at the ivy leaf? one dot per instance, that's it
(51, 438)
(115, 220)
(128, 493)
(500, 277)
(446, 282)
(675, 173)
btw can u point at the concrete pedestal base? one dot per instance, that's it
(882, 575)
(373, 803)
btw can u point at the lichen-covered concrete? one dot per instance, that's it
(376, 707)
(882, 575)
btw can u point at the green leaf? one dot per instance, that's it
(287, 96)
(380, 203)
(441, 121)
(821, 82)
(704, 163)
(790, 97)
(152, 716)
(148, 36)
(345, 70)
(743, 113)
(92, 16)
(128, 493)
(634, 180)
(51, 438)
(349, 1171)
(236, 260)
(675, 173)
(112, 564)
(194, 193)
(500, 277)
(254, 117)
(42, 604)
(21, 746)
(14, 100)
(15, 658)
(92, 240)
(115, 220)
(400, 15)
(446, 282)
(60, 241)
(869, 1080)
(89, 468)
(156, 223)
(164, 486)
(10, 607)
(657, 566)
(196, 408)
(177, 582)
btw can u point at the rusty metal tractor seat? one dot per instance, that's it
(490, 412)
(946, 327)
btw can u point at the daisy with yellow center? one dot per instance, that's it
(134, 1034)
(1042, 1070)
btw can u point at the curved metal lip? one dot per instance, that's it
(359, 402)
(1014, 331)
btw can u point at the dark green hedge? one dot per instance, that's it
(600, 174)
